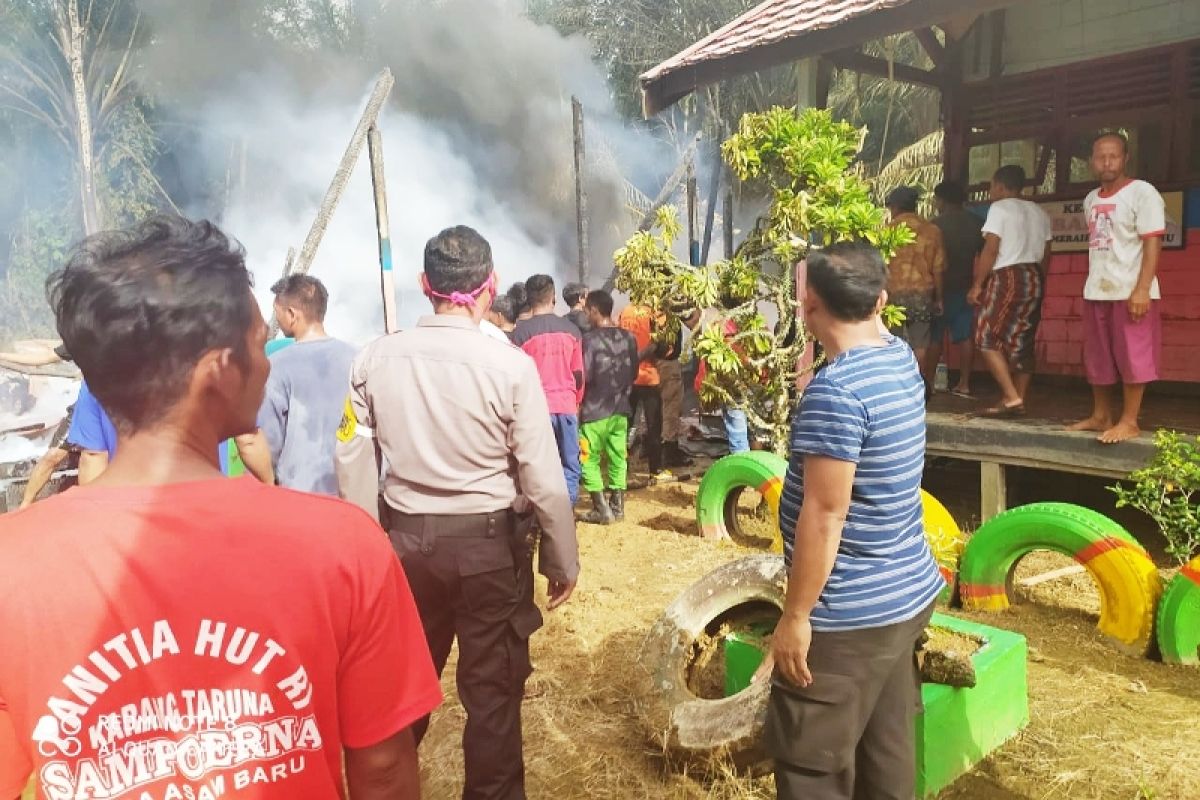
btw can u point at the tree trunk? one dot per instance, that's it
(72, 44)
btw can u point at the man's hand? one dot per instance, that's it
(558, 593)
(1139, 304)
(789, 649)
(973, 295)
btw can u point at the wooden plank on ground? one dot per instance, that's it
(1052, 575)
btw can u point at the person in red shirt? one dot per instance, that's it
(168, 632)
(556, 346)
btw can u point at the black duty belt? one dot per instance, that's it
(489, 525)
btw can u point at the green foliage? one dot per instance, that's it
(751, 338)
(1168, 490)
(39, 244)
(893, 316)
(806, 162)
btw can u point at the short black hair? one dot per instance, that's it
(505, 307)
(600, 300)
(574, 292)
(848, 277)
(539, 289)
(137, 308)
(1011, 177)
(519, 297)
(304, 291)
(1120, 137)
(903, 198)
(951, 191)
(458, 259)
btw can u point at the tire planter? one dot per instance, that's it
(957, 729)
(716, 499)
(1128, 581)
(689, 728)
(1179, 617)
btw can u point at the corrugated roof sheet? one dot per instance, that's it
(768, 23)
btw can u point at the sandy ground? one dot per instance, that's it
(1105, 724)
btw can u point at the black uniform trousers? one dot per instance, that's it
(850, 734)
(650, 399)
(472, 577)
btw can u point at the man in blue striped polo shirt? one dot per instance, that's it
(862, 579)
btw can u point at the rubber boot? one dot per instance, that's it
(616, 501)
(600, 514)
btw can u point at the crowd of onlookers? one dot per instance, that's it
(166, 629)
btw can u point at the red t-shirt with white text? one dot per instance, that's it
(199, 640)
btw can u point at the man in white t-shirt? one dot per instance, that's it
(1122, 331)
(1010, 278)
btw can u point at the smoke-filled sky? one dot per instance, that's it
(477, 132)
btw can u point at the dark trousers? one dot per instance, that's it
(849, 735)
(650, 399)
(472, 577)
(566, 435)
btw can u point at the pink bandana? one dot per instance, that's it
(464, 298)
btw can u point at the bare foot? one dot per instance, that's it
(1122, 431)
(1097, 424)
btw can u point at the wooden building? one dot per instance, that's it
(1021, 82)
(1027, 82)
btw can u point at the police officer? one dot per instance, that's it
(462, 423)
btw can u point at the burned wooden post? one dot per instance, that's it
(664, 194)
(581, 217)
(727, 222)
(692, 215)
(710, 209)
(383, 86)
(387, 280)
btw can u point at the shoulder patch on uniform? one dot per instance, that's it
(349, 424)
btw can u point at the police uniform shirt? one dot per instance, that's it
(462, 422)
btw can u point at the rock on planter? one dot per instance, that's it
(694, 725)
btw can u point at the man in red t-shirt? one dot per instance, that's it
(167, 632)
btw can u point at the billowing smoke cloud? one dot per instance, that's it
(477, 132)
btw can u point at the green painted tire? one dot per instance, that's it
(717, 496)
(1128, 581)
(1179, 617)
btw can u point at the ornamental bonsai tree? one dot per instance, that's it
(751, 337)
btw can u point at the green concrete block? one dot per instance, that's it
(961, 726)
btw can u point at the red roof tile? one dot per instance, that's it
(768, 23)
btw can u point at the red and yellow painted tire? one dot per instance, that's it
(1179, 617)
(1128, 581)
(723, 481)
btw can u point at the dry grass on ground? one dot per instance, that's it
(1105, 724)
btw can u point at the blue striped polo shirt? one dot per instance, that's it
(868, 406)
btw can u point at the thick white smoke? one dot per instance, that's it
(477, 131)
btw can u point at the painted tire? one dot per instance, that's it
(1179, 617)
(937, 517)
(689, 728)
(717, 496)
(1128, 581)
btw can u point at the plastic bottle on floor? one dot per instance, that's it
(941, 378)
